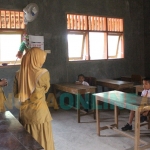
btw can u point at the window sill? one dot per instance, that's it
(9, 65)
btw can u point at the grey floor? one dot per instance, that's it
(70, 135)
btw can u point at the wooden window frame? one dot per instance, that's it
(12, 31)
(12, 22)
(10, 19)
(82, 49)
(120, 36)
(103, 24)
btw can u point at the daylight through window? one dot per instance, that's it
(94, 37)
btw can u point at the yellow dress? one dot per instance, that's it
(2, 100)
(35, 115)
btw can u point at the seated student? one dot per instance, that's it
(145, 93)
(81, 79)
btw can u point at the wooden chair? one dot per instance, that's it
(137, 79)
(91, 81)
(147, 122)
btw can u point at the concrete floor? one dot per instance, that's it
(70, 135)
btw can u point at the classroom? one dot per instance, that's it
(106, 43)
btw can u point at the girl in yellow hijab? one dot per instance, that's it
(30, 85)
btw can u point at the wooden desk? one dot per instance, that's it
(127, 101)
(126, 78)
(13, 136)
(114, 84)
(139, 88)
(77, 90)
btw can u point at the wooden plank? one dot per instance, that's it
(114, 84)
(85, 23)
(98, 23)
(139, 88)
(110, 25)
(137, 130)
(5, 25)
(126, 78)
(19, 20)
(115, 23)
(85, 113)
(125, 100)
(143, 124)
(68, 21)
(89, 23)
(13, 135)
(74, 89)
(78, 107)
(77, 90)
(79, 22)
(116, 115)
(75, 22)
(104, 24)
(121, 25)
(9, 18)
(104, 128)
(87, 57)
(144, 147)
(82, 23)
(97, 118)
(72, 21)
(92, 19)
(0, 20)
(128, 135)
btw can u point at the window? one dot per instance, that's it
(11, 19)
(11, 30)
(94, 37)
(9, 45)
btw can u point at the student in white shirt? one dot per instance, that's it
(143, 117)
(81, 79)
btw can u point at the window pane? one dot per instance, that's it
(9, 46)
(114, 46)
(97, 48)
(75, 42)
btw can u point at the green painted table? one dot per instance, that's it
(127, 101)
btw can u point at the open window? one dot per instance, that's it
(115, 44)
(9, 45)
(94, 37)
(11, 30)
(76, 46)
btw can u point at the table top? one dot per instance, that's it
(129, 77)
(139, 86)
(124, 100)
(114, 84)
(119, 82)
(75, 88)
(13, 136)
(126, 78)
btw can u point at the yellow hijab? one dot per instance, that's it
(30, 72)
